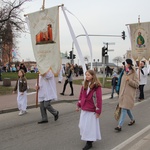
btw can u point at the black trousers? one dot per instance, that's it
(141, 90)
(65, 84)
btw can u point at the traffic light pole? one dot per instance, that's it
(94, 35)
(72, 61)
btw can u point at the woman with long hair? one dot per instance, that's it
(127, 93)
(90, 103)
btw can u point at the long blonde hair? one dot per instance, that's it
(94, 82)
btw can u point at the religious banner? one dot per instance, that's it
(140, 40)
(44, 29)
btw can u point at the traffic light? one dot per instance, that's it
(123, 35)
(70, 55)
(104, 51)
(74, 56)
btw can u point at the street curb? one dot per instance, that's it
(34, 106)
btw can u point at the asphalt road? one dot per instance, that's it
(23, 132)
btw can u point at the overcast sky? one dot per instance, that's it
(103, 17)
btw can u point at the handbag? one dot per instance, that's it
(117, 112)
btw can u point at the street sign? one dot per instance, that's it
(109, 43)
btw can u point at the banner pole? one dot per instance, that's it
(43, 6)
(37, 91)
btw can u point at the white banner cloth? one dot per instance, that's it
(140, 40)
(44, 29)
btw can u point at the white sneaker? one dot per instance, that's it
(22, 113)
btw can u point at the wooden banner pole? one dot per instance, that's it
(37, 91)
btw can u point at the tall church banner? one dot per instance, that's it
(140, 40)
(44, 29)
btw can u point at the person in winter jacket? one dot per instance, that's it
(127, 93)
(114, 81)
(90, 103)
(142, 72)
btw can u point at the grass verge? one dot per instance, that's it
(14, 75)
(7, 90)
(107, 82)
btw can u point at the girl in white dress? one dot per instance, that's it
(90, 103)
(21, 88)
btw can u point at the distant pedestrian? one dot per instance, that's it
(107, 70)
(90, 102)
(60, 75)
(80, 70)
(142, 72)
(114, 81)
(76, 70)
(23, 67)
(47, 93)
(127, 93)
(69, 79)
(21, 88)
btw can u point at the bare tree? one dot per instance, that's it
(117, 60)
(10, 11)
(11, 24)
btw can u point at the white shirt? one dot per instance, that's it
(142, 78)
(47, 86)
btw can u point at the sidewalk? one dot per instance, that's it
(8, 103)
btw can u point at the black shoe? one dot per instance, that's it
(118, 129)
(43, 121)
(111, 98)
(131, 123)
(56, 116)
(71, 94)
(59, 81)
(61, 93)
(88, 145)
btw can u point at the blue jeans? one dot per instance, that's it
(113, 90)
(123, 115)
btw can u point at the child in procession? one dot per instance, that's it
(21, 88)
(90, 103)
(114, 81)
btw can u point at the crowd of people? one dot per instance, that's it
(90, 96)
(16, 68)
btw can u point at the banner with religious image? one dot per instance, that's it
(44, 29)
(140, 40)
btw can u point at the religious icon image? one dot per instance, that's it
(140, 40)
(45, 36)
